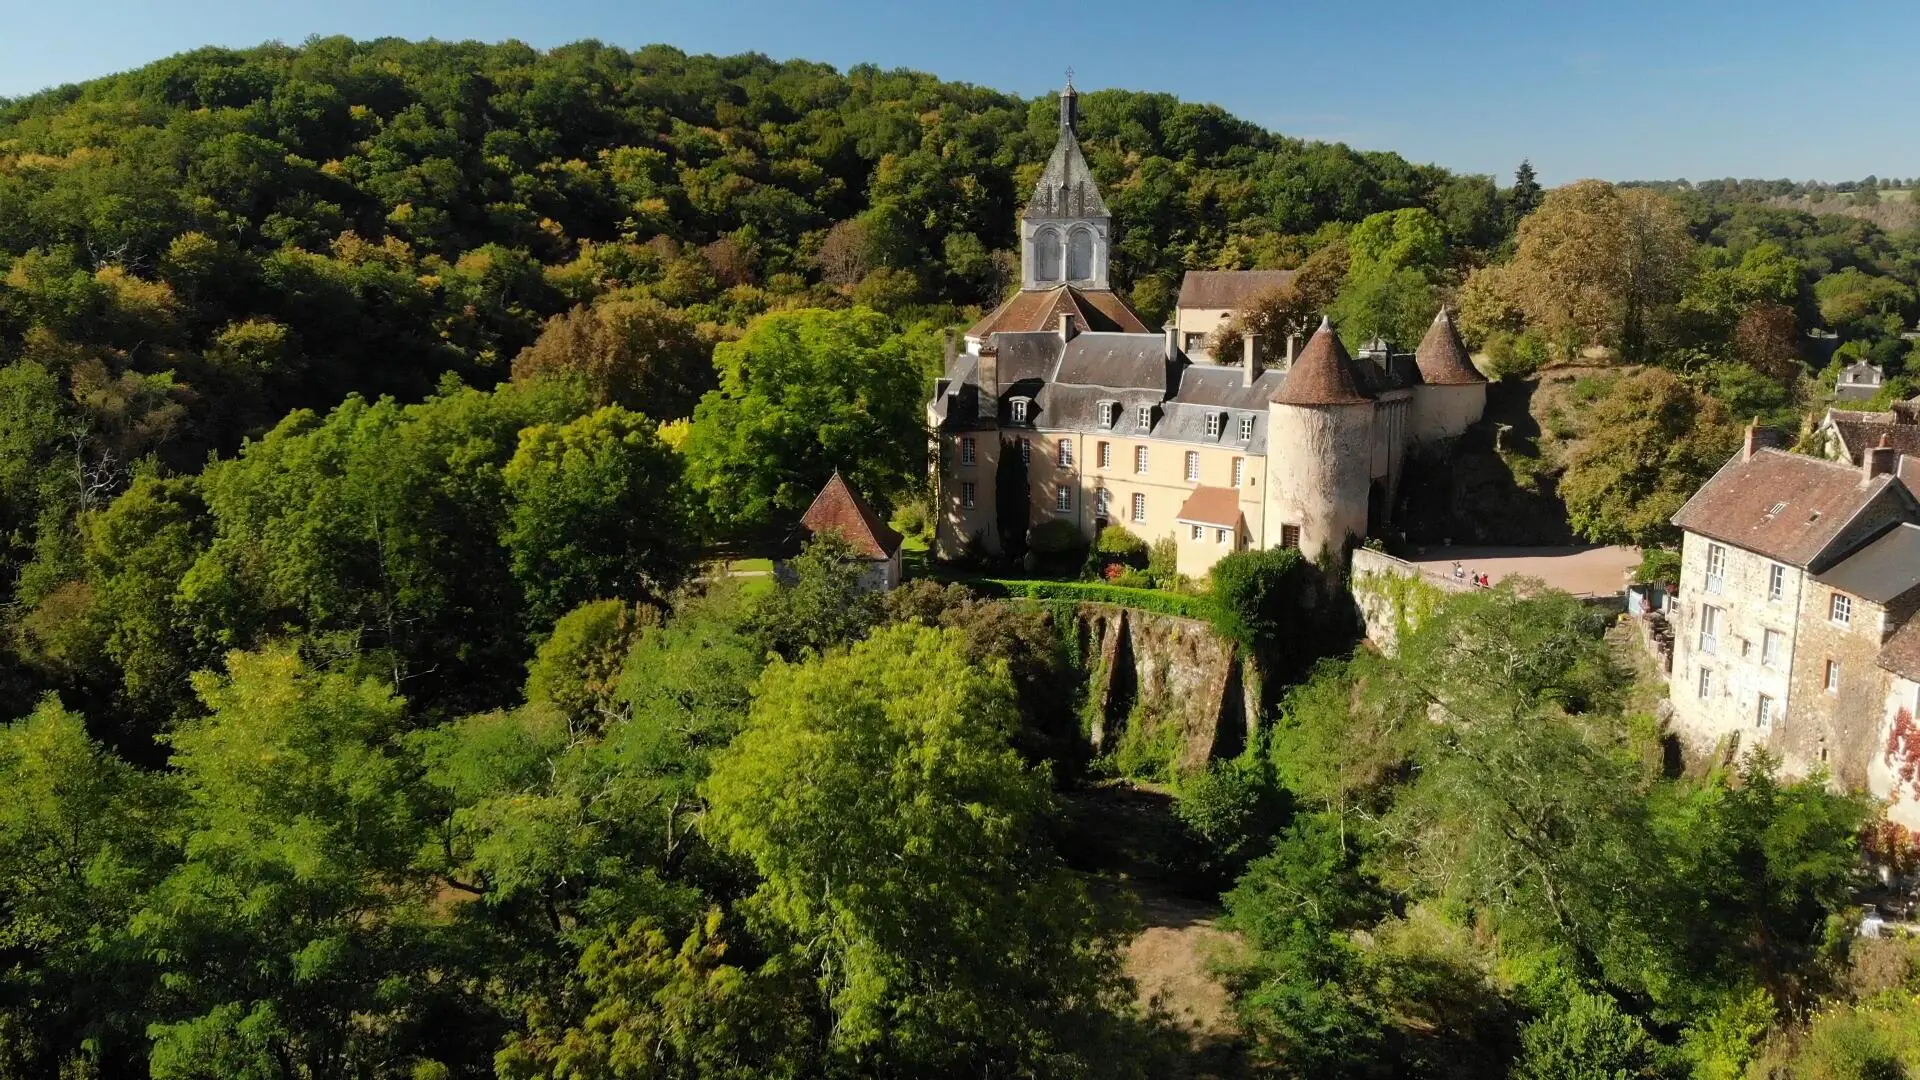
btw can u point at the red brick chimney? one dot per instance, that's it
(1759, 437)
(1878, 460)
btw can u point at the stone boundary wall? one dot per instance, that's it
(1393, 593)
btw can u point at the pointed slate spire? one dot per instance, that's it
(1066, 188)
(1323, 373)
(1442, 356)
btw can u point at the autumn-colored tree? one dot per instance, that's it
(1767, 339)
(1291, 309)
(1653, 440)
(1598, 265)
(629, 350)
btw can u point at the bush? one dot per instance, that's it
(1258, 596)
(1163, 603)
(1117, 543)
(914, 518)
(1129, 578)
(1233, 809)
(1657, 566)
(1163, 561)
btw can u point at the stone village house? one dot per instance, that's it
(1120, 425)
(1794, 626)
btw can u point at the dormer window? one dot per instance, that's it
(1213, 425)
(1246, 428)
(1144, 417)
(1019, 410)
(1109, 413)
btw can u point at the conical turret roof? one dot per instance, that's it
(1323, 373)
(1442, 356)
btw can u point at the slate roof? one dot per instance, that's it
(1882, 571)
(1099, 310)
(1442, 356)
(1231, 289)
(1781, 505)
(840, 508)
(1066, 187)
(1323, 373)
(1212, 506)
(1901, 653)
(1858, 382)
(1860, 430)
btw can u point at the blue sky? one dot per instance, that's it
(1622, 90)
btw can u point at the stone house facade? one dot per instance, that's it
(1117, 425)
(1795, 574)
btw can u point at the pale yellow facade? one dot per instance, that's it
(1162, 484)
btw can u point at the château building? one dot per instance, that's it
(1116, 424)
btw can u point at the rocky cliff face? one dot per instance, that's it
(1195, 680)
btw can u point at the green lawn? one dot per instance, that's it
(750, 566)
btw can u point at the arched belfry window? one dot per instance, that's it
(1080, 255)
(1046, 255)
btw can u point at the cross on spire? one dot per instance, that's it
(1069, 75)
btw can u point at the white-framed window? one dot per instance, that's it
(1776, 582)
(966, 493)
(1716, 568)
(1763, 715)
(1026, 451)
(1246, 428)
(1193, 532)
(1706, 683)
(1102, 500)
(1833, 677)
(1213, 425)
(1106, 455)
(1144, 417)
(1239, 471)
(1219, 536)
(1193, 466)
(1139, 506)
(1773, 648)
(1139, 459)
(1063, 500)
(1064, 453)
(967, 450)
(1709, 629)
(1840, 609)
(1019, 410)
(1109, 413)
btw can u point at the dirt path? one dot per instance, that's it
(1171, 959)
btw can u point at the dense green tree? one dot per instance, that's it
(287, 923)
(824, 600)
(908, 874)
(597, 510)
(803, 394)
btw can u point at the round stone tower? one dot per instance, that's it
(1452, 393)
(1319, 450)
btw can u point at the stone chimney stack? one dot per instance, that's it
(1293, 342)
(1878, 460)
(1759, 437)
(1066, 326)
(952, 351)
(1249, 359)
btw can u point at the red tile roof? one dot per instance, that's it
(1040, 309)
(1782, 505)
(1901, 653)
(1323, 373)
(838, 508)
(1212, 506)
(1230, 289)
(1442, 356)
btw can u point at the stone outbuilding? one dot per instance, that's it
(840, 509)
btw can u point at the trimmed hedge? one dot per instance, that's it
(1154, 600)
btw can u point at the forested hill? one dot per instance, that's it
(364, 216)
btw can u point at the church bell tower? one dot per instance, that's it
(1065, 231)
